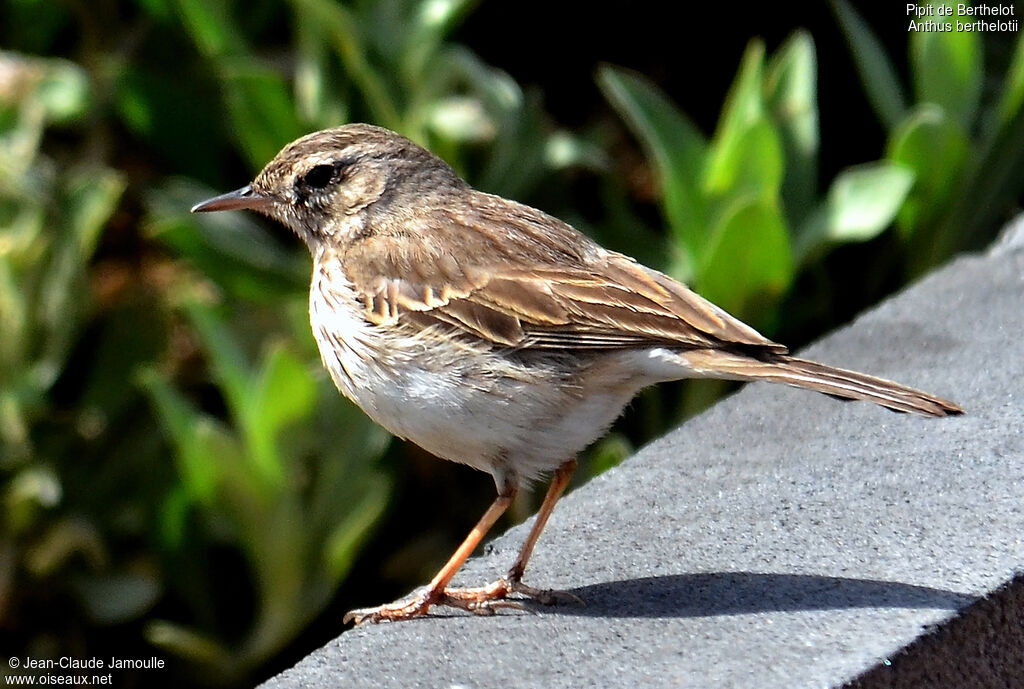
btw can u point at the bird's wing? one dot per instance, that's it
(539, 288)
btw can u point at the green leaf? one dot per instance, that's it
(791, 94)
(344, 541)
(433, 20)
(1013, 92)
(284, 393)
(861, 203)
(748, 162)
(934, 146)
(876, 72)
(343, 30)
(230, 366)
(320, 94)
(198, 471)
(671, 140)
(743, 110)
(609, 452)
(211, 27)
(948, 71)
(749, 263)
(263, 115)
(92, 198)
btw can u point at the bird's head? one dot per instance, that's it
(324, 185)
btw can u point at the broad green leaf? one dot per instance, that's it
(173, 517)
(671, 140)
(861, 203)
(935, 147)
(876, 72)
(947, 69)
(63, 297)
(749, 263)
(864, 200)
(516, 157)
(791, 93)
(609, 452)
(743, 110)
(284, 393)
(747, 162)
(745, 102)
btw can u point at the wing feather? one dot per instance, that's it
(543, 286)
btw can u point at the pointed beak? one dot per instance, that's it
(245, 198)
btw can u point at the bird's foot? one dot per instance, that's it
(395, 612)
(486, 600)
(480, 600)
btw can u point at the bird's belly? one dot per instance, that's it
(516, 419)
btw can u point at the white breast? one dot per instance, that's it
(469, 404)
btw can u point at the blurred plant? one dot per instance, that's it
(275, 480)
(743, 207)
(288, 478)
(56, 410)
(962, 139)
(386, 62)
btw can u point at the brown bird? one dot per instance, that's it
(492, 334)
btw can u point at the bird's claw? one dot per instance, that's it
(481, 600)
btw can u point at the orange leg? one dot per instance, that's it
(485, 599)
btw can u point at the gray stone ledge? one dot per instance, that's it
(781, 539)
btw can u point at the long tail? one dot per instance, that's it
(829, 380)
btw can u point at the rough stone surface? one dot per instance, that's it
(781, 539)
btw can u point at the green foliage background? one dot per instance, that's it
(177, 474)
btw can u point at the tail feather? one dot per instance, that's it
(811, 375)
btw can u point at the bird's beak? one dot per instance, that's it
(245, 198)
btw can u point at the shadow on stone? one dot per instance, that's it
(737, 593)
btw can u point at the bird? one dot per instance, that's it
(492, 334)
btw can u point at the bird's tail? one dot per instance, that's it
(837, 382)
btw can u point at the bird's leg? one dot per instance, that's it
(434, 594)
(485, 599)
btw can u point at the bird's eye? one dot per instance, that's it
(319, 176)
